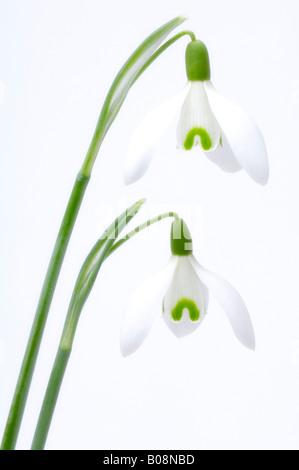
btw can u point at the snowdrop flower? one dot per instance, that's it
(183, 288)
(220, 128)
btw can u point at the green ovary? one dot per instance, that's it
(206, 142)
(177, 311)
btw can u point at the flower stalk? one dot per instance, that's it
(141, 58)
(102, 249)
(25, 376)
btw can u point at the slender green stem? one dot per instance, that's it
(163, 48)
(58, 370)
(140, 228)
(105, 248)
(31, 353)
(50, 399)
(110, 109)
(83, 286)
(113, 102)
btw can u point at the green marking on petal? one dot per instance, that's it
(206, 142)
(177, 311)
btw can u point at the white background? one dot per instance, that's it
(58, 59)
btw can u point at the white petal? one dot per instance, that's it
(147, 134)
(140, 313)
(231, 302)
(243, 135)
(224, 157)
(185, 288)
(197, 114)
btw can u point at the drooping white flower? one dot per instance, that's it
(183, 288)
(220, 128)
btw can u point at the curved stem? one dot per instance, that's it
(141, 227)
(32, 349)
(57, 374)
(163, 48)
(109, 112)
(107, 116)
(67, 338)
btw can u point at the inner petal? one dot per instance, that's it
(197, 124)
(185, 302)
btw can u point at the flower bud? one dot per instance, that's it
(180, 239)
(197, 62)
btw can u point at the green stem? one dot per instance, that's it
(163, 48)
(24, 380)
(58, 370)
(140, 228)
(50, 399)
(105, 121)
(68, 335)
(106, 118)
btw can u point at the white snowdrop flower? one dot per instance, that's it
(183, 287)
(220, 128)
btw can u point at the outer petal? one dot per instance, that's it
(243, 135)
(224, 157)
(147, 134)
(231, 302)
(140, 313)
